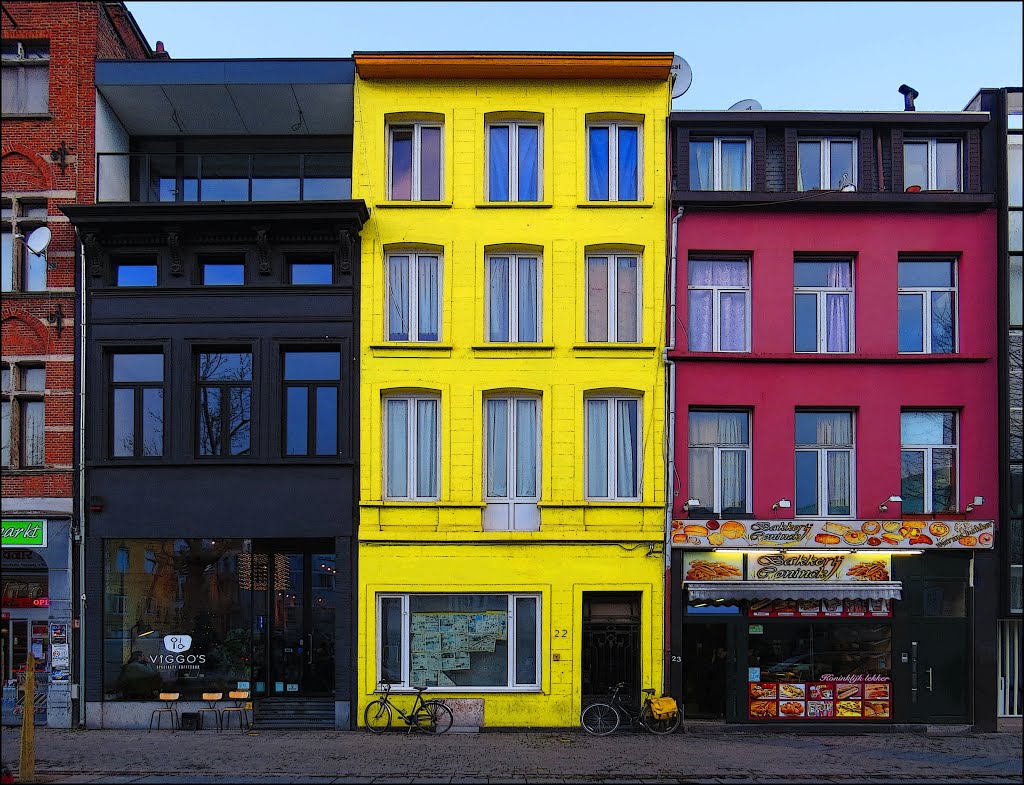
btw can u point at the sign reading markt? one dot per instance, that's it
(24, 534)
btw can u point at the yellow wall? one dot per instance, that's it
(578, 545)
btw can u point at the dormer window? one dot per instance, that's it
(720, 164)
(932, 165)
(826, 163)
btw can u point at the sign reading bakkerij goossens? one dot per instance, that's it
(24, 534)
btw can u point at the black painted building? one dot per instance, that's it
(218, 365)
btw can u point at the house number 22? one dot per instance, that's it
(561, 633)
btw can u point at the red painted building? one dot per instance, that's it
(49, 117)
(833, 348)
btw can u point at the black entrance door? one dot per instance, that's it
(939, 672)
(611, 644)
(298, 639)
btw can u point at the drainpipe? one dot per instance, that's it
(81, 483)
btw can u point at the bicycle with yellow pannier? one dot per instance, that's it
(658, 715)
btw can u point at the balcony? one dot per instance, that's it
(223, 177)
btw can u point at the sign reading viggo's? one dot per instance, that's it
(884, 535)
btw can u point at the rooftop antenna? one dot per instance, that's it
(909, 94)
(681, 76)
(746, 105)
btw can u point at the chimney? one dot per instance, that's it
(909, 94)
(160, 53)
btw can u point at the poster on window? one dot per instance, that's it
(443, 644)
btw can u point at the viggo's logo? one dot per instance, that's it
(176, 644)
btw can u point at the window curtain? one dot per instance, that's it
(734, 481)
(628, 164)
(427, 294)
(26, 89)
(701, 155)
(701, 476)
(809, 171)
(711, 428)
(837, 308)
(947, 166)
(627, 449)
(398, 298)
(834, 429)
(397, 448)
(497, 172)
(733, 305)
(430, 163)
(627, 295)
(838, 483)
(529, 163)
(498, 310)
(701, 314)
(497, 448)
(597, 298)
(526, 448)
(597, 449)
(598, 139)
(528, 299)
(734, 166)
(733, 310)
(426, 449)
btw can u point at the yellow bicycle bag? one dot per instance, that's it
(664, 708)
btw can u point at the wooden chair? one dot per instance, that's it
(211, 699)
(168, 698)
(239, 697)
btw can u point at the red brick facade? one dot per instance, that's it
(78, 33)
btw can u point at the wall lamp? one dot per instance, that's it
(783, 503)
(884, 506)
(691, 503)
(978, 501)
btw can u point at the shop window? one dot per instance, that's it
(719, 306)
(719, 463)
(224, 403)
(826, 163)
(513, 298)
(24, 415)
(928, 461)
(21, 269)
(454, 642)
(415, 162)
(614, 156)
(26, 77)
(613, 297)
(414, 297)
(613, 448)
(137, 405)
(411, 447)
(513, 161)
(927, 306)
(720, 164)
(932, 165)
(823, 306)
(824, 464)
(794, 652)
(312, 387)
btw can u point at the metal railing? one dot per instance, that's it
(222, 177)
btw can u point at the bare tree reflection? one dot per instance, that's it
(225, 397)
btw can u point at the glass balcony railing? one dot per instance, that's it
(223, 177)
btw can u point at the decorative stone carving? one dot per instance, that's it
(263, 251)
(92, 254)
(347, 248)
(174, 244)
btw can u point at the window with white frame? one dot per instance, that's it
(412, 447)
(928, 461)
(614, 162)
(21, 270)
(413, 297)
(720, 164)
(512, 463)
(823, 306)
(26, 77)
(719, 462)
(513, 297)
(824, 464)
(927, 306)
(613, 297)
(613, 457)
(415, 165)
(719, 306)
(453, 642)
(826, 163)
(24, 415)
(514, 161)
(932, 165)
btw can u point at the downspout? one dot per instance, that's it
(81, 484)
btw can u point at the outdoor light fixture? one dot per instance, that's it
(978, 501)
(691, 503)
(783, 503)
(894, 553)
(884, 506)
(819, 552)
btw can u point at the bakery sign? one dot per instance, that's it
(724, 566)
(863, 535)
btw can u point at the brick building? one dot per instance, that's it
(49, 139)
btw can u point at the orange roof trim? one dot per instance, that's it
(464, 65)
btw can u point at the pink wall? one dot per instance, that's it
(875, 381)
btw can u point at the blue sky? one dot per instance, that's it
(850, 55)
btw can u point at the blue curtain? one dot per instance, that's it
(497, 171)
(598, 164)
(628, 164)
(497, 299)
(528, 163)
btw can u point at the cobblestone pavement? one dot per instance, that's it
(107, 756)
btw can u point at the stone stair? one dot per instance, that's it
(294, 714)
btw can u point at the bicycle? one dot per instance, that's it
(429, 716)
(600, 719)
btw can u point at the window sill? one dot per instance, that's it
(513, 205)
(611, 503)
(432, 205)
(683, 355)
(420, 503)
(410, 349)
(513, 347)
(27, 116)
(629, 205)
(604, 346)
(395, 689)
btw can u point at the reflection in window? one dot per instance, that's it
(415, 162)
(310, 273)
(932, 164)
(224, 402)
(826, 164)
(806, 652)
(135, 275)
(824, 463)
(927, 306)
(311, 386)
(720, 164)
(928, 461)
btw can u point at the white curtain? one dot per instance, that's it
(528, 291)
(627, 449)
(397, 448)
(597, 448)
(398, 298)
(526, 448)
(497, 448)
(426, 449)
(834, 429)
(837, 308)
(701, 476)
(498, 306)
(427, 292)
(838, 483)
(734, 480)
(627, 291)
(711, 428)
(734, 166)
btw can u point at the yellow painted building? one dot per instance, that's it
(512, 510)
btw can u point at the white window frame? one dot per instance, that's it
(513, 159)
(21, 216)
(612, 443)
(613, 305)
(718, 449)
(414, 299)
(417, 158)
(512, 293)
(716, 162)
(17, 399)
(825, 159)
(613, 127)
(511, 685)
(716, 306)
(929, 480)
(512, 499)
(821, 293)
(822, 453)
(411, 446)
(926, 311)
(932, 143)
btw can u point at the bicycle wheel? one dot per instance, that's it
(599, 719)
(660, 727)
(435, 717)
(377, 717)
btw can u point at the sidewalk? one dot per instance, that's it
(570, 756)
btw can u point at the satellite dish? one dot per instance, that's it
(681, 75)
(747, 104)
(38, 240)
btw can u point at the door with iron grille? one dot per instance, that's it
(611, 645)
